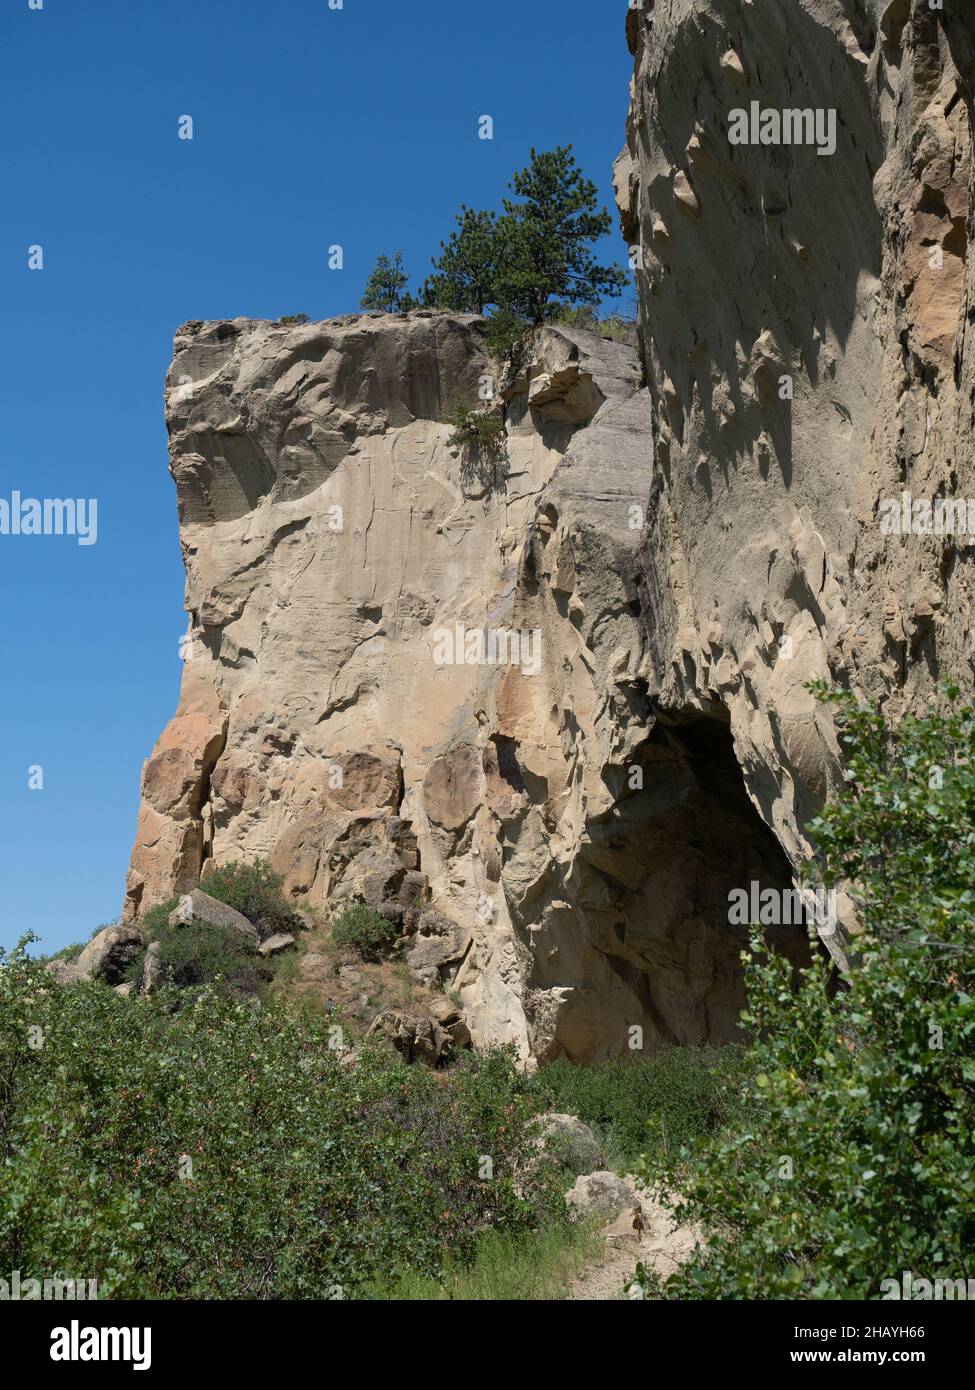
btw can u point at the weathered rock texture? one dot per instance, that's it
(514, 819)
(555, 836)
(764, 563)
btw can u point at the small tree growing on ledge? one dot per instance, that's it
(386, 287)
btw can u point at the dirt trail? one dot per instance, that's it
(661, 1247)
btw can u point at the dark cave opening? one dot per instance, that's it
(647, 939)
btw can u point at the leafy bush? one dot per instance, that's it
(153, 921)
(222, 1152)
(256, 891)
(71, 952)
(291, 319)
(857, 1160)
(199, 953)
(667, 1099)
(539, 1265)
(365, 930)
(202, 954)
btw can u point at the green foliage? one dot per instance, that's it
(505, 336)
(200, 953)
(386, 287)
(365, 930)
(475, 429)
(153, 921)
(71, 952)
(221, 1151)
(483, 444)
(613, 326)
(509, 1268)
(292, 319)
(465, 269)
(669, 1098)
(530, 261)
(857, 1161)
(545, 240)
(256, 891)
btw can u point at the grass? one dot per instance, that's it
(614, 326)
(538, 1267)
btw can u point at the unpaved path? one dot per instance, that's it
(661, 1247)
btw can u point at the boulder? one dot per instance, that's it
(198, 906)
(110, 952)
(438, 943)
(444, 1010)
(152, 969)
(571, 1142)
(415, 1037)
(66, 972)
(601, 1194)
(279, 942)
(315, 967)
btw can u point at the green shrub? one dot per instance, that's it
(365, 930)
(256, 891)
(506, 335)
(222, 1152)
(539, 1265)
(153, 921)
(614, 326)
(202, 954)
(475, 429)
(855, 1160)
(291, 319)
(669, 1098)
(71, 952)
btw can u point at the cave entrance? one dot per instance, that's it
(652, 895)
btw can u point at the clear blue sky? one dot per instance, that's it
(312, 126)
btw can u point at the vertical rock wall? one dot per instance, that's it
(808, 325)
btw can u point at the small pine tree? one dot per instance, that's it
(386, 287)
(467, 266)
(544, 243)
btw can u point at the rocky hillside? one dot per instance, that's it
(539, 696)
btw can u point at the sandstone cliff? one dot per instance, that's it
(515, 811)
(845, 280)
(556, 826)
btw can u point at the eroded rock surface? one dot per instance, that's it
(418, 677)
(808, 327)
(544, 706)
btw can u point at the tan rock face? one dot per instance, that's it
(420, 681)
(807, 326)
(547, 709)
